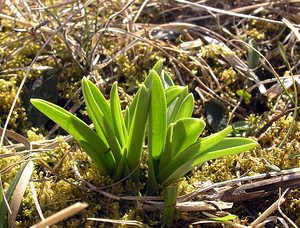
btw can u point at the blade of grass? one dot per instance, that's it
(253, 56)
(19, 191)
(9, 193)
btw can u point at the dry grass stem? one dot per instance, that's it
(61, 215)
(269, 211)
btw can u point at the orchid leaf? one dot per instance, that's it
(117, 117)
(137, 131)
(157, 125)
(227, 146)
(186, 108)
(91, 143)
(172, 93)
(100, 121)
(191, 152)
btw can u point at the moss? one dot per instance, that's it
(33, 135)
(228, 76)
(8, 166)
(256, 34)
(8, 91)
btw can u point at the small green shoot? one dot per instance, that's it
(115, 146)
(161, 108)
(174, 145)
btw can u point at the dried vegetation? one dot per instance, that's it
(239, 58)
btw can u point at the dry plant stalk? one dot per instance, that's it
(65, 213)
(269, 211)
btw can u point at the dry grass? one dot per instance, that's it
(242, 56)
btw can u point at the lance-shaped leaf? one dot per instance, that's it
(157, 126)
(129, 112)
(175, 105)
(137, 131)
(166, 79)
(172, 93)
(186, 108)
(102, 103)
(227, 146)
(100, 121)
(122, 167)
(117, 117)
(158, 67)
(185, 133)
(91, 143)
(191, 152)
(157, 117)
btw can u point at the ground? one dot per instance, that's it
(238, 58)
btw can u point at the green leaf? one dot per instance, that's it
(283, 53)
(225, 218)
(253, 56)
(157, 125)
(166, 156)
(213, 139)
(122, 168)
(100, 121)
(131, 110)
(244, 94)
(127, 118)
(99, 98)
(186, 108)
(191, 152)
(164, 76)
(158, 66)
(117, 117)
(227, 146)
(175, 105)
(166, 79)
(137, 131)
(91, 143)
(186, 132)
(157, 118)
(87, 84)
(172, 93)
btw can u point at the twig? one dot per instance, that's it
(65, 213)
(269, 211)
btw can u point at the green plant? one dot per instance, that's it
(174, 145)
(116, 145)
